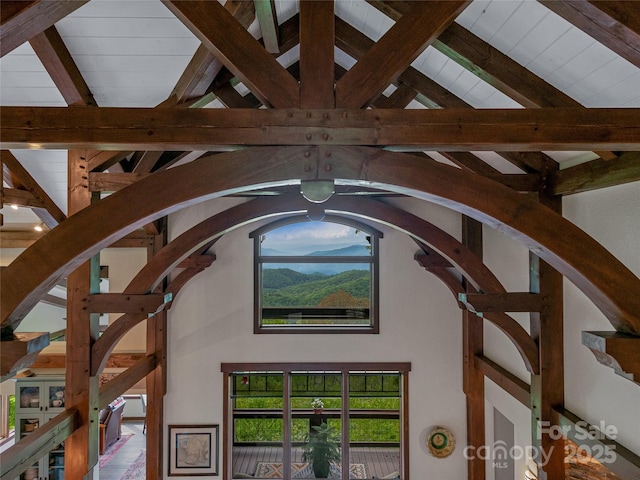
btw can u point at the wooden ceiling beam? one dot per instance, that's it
(239, 51)
(356, 44)
(394, 52)
(614, 24)
(182, 157)
(54, 301)
(18, 239)
(502, 302)
(608, 282)
(201, 237)
(24, 20)
(231, 98)
(56, 59)
(127, 379)
(400, 98)
(616, 350)
(50, 214)
(268, 20)
(502, 72)
(493, 67)
(596, 174)
(520, 182)
(467, 160)
(147, 161)
(433, 259)
(103, 160)
(499, 70)
(137, 239)
(353, 42)
(197, 261)
(126, 303)
(471, 162)
(115, 360)
(511, 384)
(204, 66)
(317, 40)
(411, 130)
(289, 33)
(18, 351)
(21, 198)
(101, 351)
(112, 182)
(514, 331)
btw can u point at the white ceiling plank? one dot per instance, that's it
(152, 46)
(521, 21)
(539, 38)
(484, 18)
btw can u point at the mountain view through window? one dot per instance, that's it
(313, 274)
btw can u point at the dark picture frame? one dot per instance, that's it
(193, 450)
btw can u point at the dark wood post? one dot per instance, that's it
(547, 388)
(81, 448)
(473, 378)
(156, 380)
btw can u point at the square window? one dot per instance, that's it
(316, 276)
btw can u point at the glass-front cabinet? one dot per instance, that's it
(37, 402)
(49, 467)
(42, 396)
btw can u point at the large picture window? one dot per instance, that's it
(316, 276)
(282, 419)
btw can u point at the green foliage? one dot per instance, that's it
(277, 278)
(364, 430)
(361, 430)
(12, 412)
(322, 447)
(258, 429)
(308, 290)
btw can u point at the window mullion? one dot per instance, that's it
(345, 425)
(287, 419)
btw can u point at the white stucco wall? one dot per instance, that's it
(211, 322)
(593, 391)
(124, 264)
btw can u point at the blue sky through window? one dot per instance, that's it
(309, 237)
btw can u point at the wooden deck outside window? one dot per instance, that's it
(269, 417)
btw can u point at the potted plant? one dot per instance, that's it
(321, 450)
(317, 405)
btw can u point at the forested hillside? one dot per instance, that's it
(283, 287)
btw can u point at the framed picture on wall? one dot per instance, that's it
(193, 450)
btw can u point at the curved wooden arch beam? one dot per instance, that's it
(205, 233)
(213, 227)
(102, 348)
(105, 344)
(521, 339)
(611, 286)
(460, 257)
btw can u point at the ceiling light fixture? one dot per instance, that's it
(14, 206)
(38, 227)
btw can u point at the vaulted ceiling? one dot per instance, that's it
(395, 54)
(538, 96)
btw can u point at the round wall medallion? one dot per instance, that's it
(441, 442)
